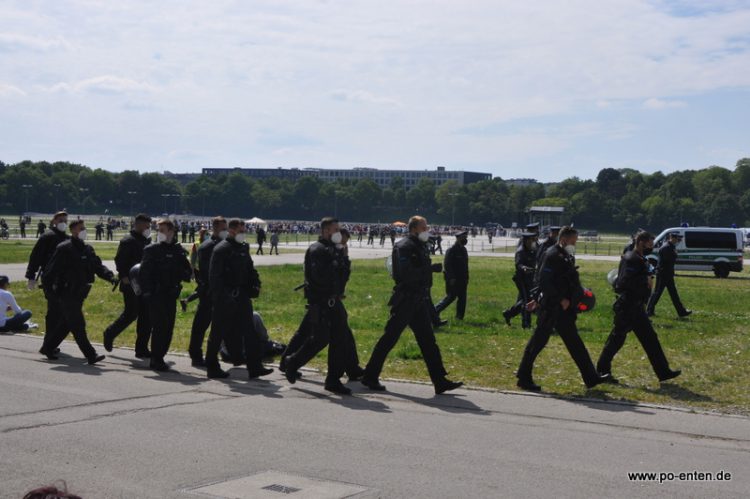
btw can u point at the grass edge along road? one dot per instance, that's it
(710, 346)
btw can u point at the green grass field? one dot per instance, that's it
(711, 347)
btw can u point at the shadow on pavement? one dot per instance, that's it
(352, 402)
(678, 392)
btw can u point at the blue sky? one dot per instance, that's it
(518, 89)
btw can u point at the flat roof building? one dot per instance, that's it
(381, 177)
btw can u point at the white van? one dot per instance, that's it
(705, 248)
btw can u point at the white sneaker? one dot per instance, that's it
(32, 325)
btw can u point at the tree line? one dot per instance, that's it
(618, 199)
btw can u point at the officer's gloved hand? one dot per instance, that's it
(437, 267)
(254, 292)
(32, 284)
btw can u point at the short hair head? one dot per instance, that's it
(567, 231)
(415, 221)
(326, 222)
(142, 217)
(235, 223)
(75, 223)
(165, 222)
(218, 221)
(643, 237)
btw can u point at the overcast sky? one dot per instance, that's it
(541, 89)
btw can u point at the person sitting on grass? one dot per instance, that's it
(19, 320)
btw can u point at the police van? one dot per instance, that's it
(705, 248)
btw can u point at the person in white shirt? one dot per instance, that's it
(18, 321)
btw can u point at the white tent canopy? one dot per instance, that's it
(256, 220)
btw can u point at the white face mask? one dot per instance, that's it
(82, 235)
(571, 249)
(146, 233)
(62, 226)
(223, 234)
(424, 236)
(240, 237)
(336, 238)
(161, 237)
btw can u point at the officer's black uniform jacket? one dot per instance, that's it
(667, 260)
(72, 269)
(525, 262)
(456, 263)
(543, 247)
(632, 279)
(163, 268)
(559, 279)
(412, 268)
(326, 272)
(43, 249)
(231, 271)
(205, 251)
(130, 252)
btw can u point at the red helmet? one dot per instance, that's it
(588, 301)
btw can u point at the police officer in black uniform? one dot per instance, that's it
(547, 243)
(163, 269)
(410, 306)
(456, 273)
(202, 318)
(326, 275)
(129, 254)
(351, 359)
(561, 291)
(68, 276)
(665, 277)
(43, 249)
(233, 282)
(633, 286)
(523, 279)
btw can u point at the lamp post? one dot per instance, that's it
(83, 202)
(165, 196)
(453, 207)
(132, 194)
(26, 188)
(57, 193)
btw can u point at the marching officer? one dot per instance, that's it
(665, 277)
(410, 306)
(40, 256)
(523, 279)
(129, 254)
(456, 273)
(561, 291)
(163, 269)
(202, 318)
(326, 275)
(68, 278)
(633, 286)
(233, 282)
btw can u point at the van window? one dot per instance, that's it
(722, 240)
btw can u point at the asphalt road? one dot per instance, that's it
(120, 430)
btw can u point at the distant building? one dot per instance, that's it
(381, 177)
(546, 215)
(521, 181)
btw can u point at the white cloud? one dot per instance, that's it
(654, 103)
(362, 96)
(16, 41)
(103, 84)
(7, 90)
